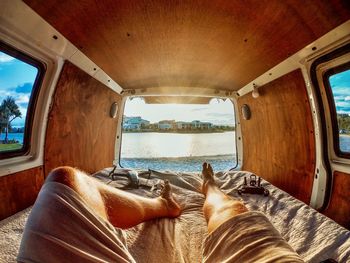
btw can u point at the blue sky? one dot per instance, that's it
(340, 84)
(16, 80)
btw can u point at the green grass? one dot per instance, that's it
(10, 147)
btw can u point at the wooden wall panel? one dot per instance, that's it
(80, 132)
(19, 190)
(190, 43)
(278, 140)
(339, 206)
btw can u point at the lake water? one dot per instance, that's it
(11, 136)
(184, 152)
(178, 151)
(344, 141)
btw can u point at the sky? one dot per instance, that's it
(218, 112)
(16, 80)
(340, 84)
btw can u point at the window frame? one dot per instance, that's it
(317, 67)
(32, 104)
(332, 107)
(119, 140)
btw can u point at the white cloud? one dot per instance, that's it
(343, 112)
(5, 93)
(5, 58)
(22, 98)
(338, 97)
(342, 103)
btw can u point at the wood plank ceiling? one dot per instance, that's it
(199, 43)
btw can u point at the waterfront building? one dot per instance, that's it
(201, 125)
(135, 123)
(181, 125)
(166, 125)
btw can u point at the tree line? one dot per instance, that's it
(9, 111)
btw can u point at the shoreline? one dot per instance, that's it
(182, 164)
(219, 156)
(182, 132)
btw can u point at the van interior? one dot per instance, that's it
(135, 92)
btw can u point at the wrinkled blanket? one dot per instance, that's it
(314, 236)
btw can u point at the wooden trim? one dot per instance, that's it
(278, 140)
(80, 132)
(19, 190)
(339, 206)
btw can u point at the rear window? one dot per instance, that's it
(20, 77)
(178, 137)
(339, 98)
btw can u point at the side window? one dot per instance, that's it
(339, 101)
(20, 78)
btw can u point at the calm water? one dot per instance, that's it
(344, 143)
(180, 152)
(155, 145)
(11, 136)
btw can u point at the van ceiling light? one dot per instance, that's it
(255, 92)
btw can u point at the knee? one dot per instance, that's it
(64, 175)
(232, 208)
(239, 207)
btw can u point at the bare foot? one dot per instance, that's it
(173, 207)
(208, 177)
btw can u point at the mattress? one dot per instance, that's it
(314, 236)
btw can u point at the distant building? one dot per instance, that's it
(206, 125)
(180, 125)
(201, 125)
(134, 123)
(166, 125)
(137, 123)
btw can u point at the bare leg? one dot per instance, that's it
(122, 209)
(218, 207)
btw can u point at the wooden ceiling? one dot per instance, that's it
(199, 43)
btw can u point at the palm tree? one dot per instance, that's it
(8, 112)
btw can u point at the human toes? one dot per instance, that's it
(210, 169)
(166, 191)
(204, 167)
(173, 207)
(207, 171)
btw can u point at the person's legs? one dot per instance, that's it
(246, 236)
(120, 208)
(218, 207)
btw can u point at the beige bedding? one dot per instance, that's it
(311, 234)
(314, 236)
